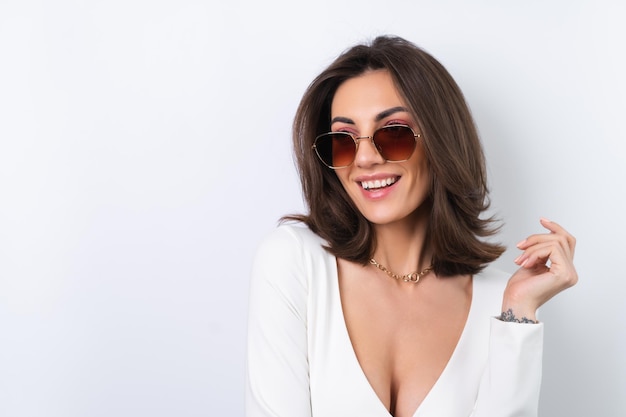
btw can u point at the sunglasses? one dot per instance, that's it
(395, 143)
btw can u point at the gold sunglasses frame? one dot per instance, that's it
(357, 140)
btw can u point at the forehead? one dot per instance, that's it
(366, 95)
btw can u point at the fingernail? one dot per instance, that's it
(543, 219)
(519, 244)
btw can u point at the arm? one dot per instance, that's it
(510, 385)
(277, 380)
(546, 269)
(512, 379)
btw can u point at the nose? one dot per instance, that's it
(366, 153)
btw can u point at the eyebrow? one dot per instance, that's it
(380, 116)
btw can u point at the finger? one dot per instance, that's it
(542, 253)
(545, 251)
(555, 230)
(551, 238)
(561, 268)
(560, 230)
(538, 252)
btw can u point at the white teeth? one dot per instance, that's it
(368, 185)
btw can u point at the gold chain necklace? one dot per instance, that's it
(413, 277)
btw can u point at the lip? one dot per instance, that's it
(374, 177)
(379, 193)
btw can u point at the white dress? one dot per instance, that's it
(301, 363)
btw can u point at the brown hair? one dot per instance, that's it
(459, 185)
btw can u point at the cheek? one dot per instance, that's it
(351, 188)
(424, 170)
(426, 177)
(343, 178)
(422, 175)
(418, 163)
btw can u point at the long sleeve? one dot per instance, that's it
(512, 379)
(277, 380)
(301, 363)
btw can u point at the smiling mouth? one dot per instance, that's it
(378, 184)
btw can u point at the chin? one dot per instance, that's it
(386, 214)
(387, 218)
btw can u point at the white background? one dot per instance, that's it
(145, 151)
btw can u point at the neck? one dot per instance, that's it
(403, 246)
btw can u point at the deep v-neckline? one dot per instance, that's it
(356, 365)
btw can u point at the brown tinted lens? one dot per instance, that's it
(336, 149)
(395, 143)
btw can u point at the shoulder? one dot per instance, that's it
(292, 239)
(286, 261)
(288, 253)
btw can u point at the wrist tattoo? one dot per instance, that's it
(509, 316)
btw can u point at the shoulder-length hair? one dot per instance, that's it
(459, 193)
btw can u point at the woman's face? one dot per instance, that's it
(384, 192)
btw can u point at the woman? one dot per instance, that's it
(381, 301)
